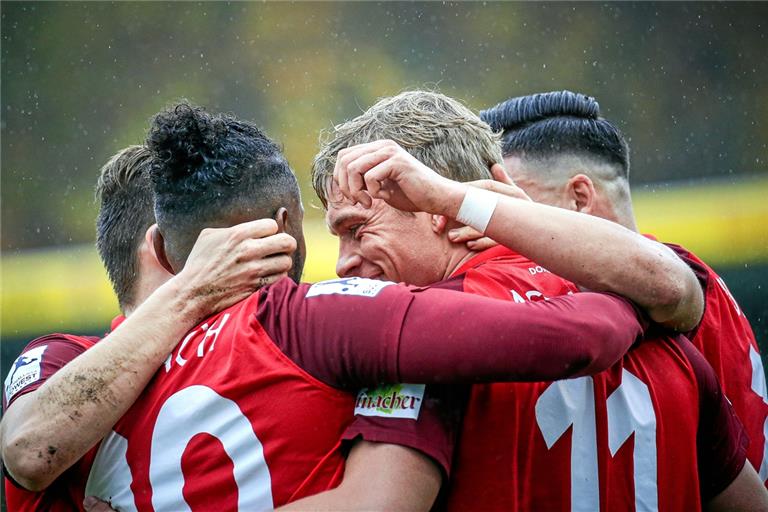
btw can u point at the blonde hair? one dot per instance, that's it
(439, 131)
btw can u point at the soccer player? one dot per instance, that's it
(124, 233)
(50, 421)
(250, 404)
(558, 148)
(565, 446)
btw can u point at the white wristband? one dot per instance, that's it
(477, 208)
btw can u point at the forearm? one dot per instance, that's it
(405, 479)
(78, 405)
(485, 340)
(598, 255)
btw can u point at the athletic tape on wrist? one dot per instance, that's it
(477, 208)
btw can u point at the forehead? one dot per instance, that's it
(342, 213)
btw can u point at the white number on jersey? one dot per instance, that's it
(630, 410)
(188, 412)
(758, 386)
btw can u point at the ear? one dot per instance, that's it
(438, 223)
(156, 243)
(581, 193)
(281, 217)
(500, 174)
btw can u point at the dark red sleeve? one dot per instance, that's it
(40, 359)
(434, 432)
(356, 333)
(722, 441)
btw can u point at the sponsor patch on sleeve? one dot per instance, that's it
(392, 401)
(348, 286)
(26, 370)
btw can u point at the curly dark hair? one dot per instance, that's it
(542, 125)
(210, 168)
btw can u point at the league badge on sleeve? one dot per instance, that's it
(26, 369)
(348, 286)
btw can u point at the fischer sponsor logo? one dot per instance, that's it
(393, 401)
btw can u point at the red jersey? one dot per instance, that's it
(645, 434)
(39, 360)
(726, 339)
(248, 406)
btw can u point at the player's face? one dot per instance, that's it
(383, 243)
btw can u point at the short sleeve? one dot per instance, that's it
(39, 360)
(385, 415)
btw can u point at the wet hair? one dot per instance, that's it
(124, 196)
(547, 125)
(439, 131)
(211, 170)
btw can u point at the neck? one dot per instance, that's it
(457, 258)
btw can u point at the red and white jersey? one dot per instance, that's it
(247, 412)
(726, 339)
(229, 412)
(248, 407)
(39, 360)
(652, 433)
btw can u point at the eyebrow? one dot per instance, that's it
(342, 219)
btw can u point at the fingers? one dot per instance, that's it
(258, 228)
(464, 234)
(481, 244)
(271, 245)
(93, 504)
(353, 164)
(474, 240)
(270, 267)
(500, 175)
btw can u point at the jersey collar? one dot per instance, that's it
(488, 254)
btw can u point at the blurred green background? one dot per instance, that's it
(685, 81)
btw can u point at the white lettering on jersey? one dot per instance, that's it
(348, 286)
(629, 408)
(630, 411)
(530, 296)
(110, 477)
(730, 296)
(211, 332)
(538, 269)
(571, 403)
(392, 401)
(185, 414)
(758, 386)
(26, 370)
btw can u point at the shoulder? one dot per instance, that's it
(41, 358)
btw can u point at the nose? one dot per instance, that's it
(349, 261)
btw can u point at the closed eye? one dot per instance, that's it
(355, 229)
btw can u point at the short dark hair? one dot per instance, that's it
(207, 167)
(540, 126)
(124, 195)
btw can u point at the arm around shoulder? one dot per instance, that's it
(404, 479)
